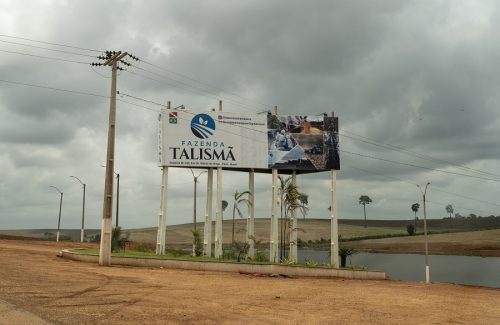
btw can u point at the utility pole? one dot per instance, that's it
(427, 273)
(111, 59)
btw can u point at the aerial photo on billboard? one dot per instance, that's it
(306, 143)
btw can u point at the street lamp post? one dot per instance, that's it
(117, 195)
(60, 208)
(195, 178)
(427, 273)
(82, 231)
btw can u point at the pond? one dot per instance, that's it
(472, 270)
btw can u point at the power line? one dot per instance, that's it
(191, 88)
(417, 166)
(206, 84)
(187, 112)
(49, 49)
(433, 187)
(53, 88)
(412, 153)
(45, 57)
(49, 43)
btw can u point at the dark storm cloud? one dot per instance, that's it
(416, 74)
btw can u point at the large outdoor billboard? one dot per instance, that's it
(243, 141)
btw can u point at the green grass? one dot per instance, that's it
(135, 254)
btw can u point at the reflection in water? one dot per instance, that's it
(474, 270)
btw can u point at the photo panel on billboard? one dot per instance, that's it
(303, 143)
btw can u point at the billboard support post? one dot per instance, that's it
(334, 220)
(293, 231)
(273, 249)
(218, 211)
(251, 213)
(162, 215)
(207, 230)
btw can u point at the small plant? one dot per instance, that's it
(311, 263)
(260, 256)
(410, 229)
(141, 247)
(118, 240)
(327, 265)
(240, 249)
(344, 252)
(288, 261)
(176, 252)
(198, 245)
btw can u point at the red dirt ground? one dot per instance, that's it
(59, 291)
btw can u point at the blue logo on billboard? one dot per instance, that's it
(202, 126)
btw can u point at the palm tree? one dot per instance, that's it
(304, 201)
(224, 207)
(285, 187)
(238, 199)
(449, 209)
(414, 208)
(364, 200)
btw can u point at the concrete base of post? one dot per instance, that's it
(427, 274)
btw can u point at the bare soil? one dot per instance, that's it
(60, 291)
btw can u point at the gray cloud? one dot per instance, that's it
(415, 74)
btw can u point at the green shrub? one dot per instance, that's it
(118, 239)
(288, 261)
(260, 256)
(410, 229)
(311, 263)
(176, 252)
(198, 244)
(240, 249)
(141, 247)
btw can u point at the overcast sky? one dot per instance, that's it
(419, 79)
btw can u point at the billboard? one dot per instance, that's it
(212, 139)
(243, 141)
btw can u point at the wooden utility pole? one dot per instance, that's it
(112, 60)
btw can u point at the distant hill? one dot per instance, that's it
(310, 229)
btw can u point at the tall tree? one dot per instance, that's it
(304, 202)
(414, 208)
(285, 187)
(449, 209)
(239, 198)
(364, 200)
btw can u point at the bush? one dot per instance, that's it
(240, 249)
(260, 256)
(198, 245)
(118, 239)
(311, 263)
(142, 247)
(410, 229)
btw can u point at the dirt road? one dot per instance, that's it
(66, 292)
